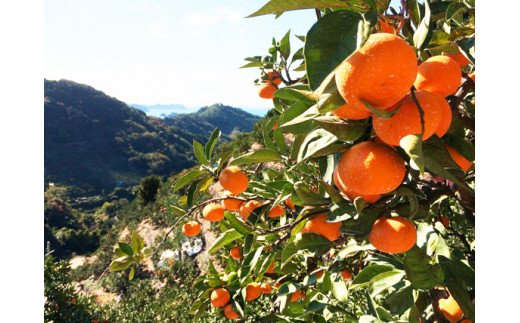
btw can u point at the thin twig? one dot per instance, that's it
(318, 13)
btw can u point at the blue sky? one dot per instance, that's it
(150, 52)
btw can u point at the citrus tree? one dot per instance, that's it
(360, 204)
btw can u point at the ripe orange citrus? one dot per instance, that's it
(459, 58)
(290, 204)
(248, 207)
(253, 291)
(450, 309)
(277, 284)
(446, 115)
(347, 275)
(266, 288)
(319, 274)
(407, 120)
(439, 74)
(351, 195)
(232, 204)
(276, 212)
(463, 163)
(213, 212)
(270, 270)
(233, 179)
(273, 78)
(297, 295)
(320, 225)
(235, 252)
(370, 168)
(380, 73)
(393, 235)
(219, 297)
(266, 91)
(230, 313)
(191, 229)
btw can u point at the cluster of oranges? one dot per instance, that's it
(379, 75)
(270, 85)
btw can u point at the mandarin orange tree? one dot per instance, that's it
(365, 158)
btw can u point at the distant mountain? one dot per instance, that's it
(202, 122)
(96, 141)
(161, 109)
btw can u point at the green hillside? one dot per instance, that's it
(228, 119)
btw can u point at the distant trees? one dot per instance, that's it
(148, 188)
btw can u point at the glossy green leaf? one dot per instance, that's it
(279, 6)
(457, 286)
(120, 263)
(126, 248)
(212, 142)
(365, 276)
(260, 156)
(421, 34)
(307, 196)
(412, 145)
(237, 224)
(188, 178)
(285, 45)
(224, 239)
(131, 273)
(330, 40)
(345, 130)
(308, 244)
(199, 152)
(137, 242)
(419, 271)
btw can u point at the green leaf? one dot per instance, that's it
(266, 133)
(307, 244)
(199, 152)
(237, 224)
(419, 271)
(131, 273)
(381, 113)
(412, 145)
(384, 281)
(330, 41)
(315, 141)
(260, 156)
(120, 263)
(187, 179)
(279, 6)
(465, 148)
(307, 196)
(400, 301)
(212, 142)
(137, 242)
(420, 35)
(411, 196)
(297, 92)
(126, 248)
(224, 239)
(285, 45)
(339, 288)
(457, 286)
(345, 130)
(415, 12)
(364, 223)
(365, 276)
